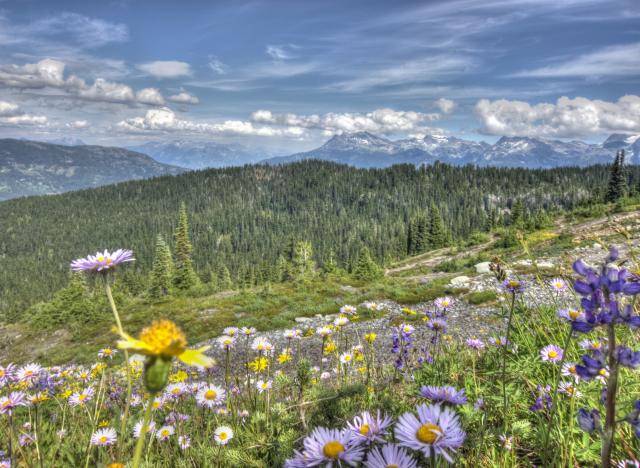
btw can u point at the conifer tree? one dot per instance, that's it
(437, 233)
(422, 235)
(517, 214)
(366, 268)
(617, 187)
(303, 264)
(162, 271)
(224, 278)
(184, 275)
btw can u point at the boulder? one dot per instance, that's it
(482, 267)
(303, 319)
(460, 281)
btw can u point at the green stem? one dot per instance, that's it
(505, 399)
(143, 432)
(125, 414)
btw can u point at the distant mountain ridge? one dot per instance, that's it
(364, 149)
(37, 168)
(200, 154)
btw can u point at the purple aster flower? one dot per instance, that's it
(435, 428)
(7, 374)
(498, 341)
(368, 428)
(543, 399)
(445, 394)
(512, 285)
(479, 404)
(9, 402)
(102, 261)
(592, 366)
(329, 448)
(438, 325)
(184, 442)
(589, 421)
(443, 303)
(5, 463)
(390, 455)
(475, 343)
(26, 439)
(558, 284)
(552, 353)
(572, 315)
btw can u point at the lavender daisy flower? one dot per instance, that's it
(591, 345)
(81, 398)
(475, 343)
(331, 447)
(498, 341)
(443, 303)
(569, 370)
(7, 374)
(513, 286)
(102, 261)
(479, 404)
(223, 435)
(165, 432)
(506, 442)
(137, 429)
(390, 455)
(5, 463)
(552, 353)
(368, 428)
(9, 402)
(26, 439)
(28, 373)
(445, 394)
(438, 324)
(558, 284)
(226, 342)
(572, 315)
(264, 385)
(434, 428)
(104, 437)
(210, 396)
(569, 389)
(184, 442)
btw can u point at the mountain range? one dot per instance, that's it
(364, 149)
(37, 168)
(200, 154)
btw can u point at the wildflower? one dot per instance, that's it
(230, 331)
(329, 448)
(263, 386)
(164, 339)
(592, 366)
(330, 347)
(368, 428)
(102, 261)
(346, 358)
(5, 463)
(284, 357)
(626, 357)
(475, 343)
(558, 284)
(28, 373)
(259, 364)
(572, 315)
(445, 394)
(370, 338)
(137, 429)
(324, 331)
(9, 402)
(248, 331)
(210, 396)
(438, 325)
(499, 341)
(184, 442)
(7, 374)
(591, 345)
(82, 398)
(506, 442)
(223, 435)
(291, 334)
(104, 437)
(26, 439)
(261, 345)
(179, 376)
(157, 403)
(435, 429)
(552, 353)
(61, 433)
(165, 432)
(341, 321)
(175, 390)
(348, 309)
(226, 342)
(513, 286)
(325, 375)
(107, 353)
(543, 399)
(407, 329)
(443, 303)
(589, 421)
(569, 389)
(390, 455)
(479, 404)
(569, 370)
(38, 398)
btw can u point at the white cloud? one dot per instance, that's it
(567, 118)
(49, 73)
(184, 98)
(85, 31)
(11, 114)
(166, 69)
(165, 120)
(150, 96)
(620, 60)
(217, 66)
(277, 52)
(78, 124)
(445, 105)
(386, 121)
(8, 108)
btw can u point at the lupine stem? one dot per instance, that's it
(143, 432)
(125, 414)
(504, 363)
(612, 388)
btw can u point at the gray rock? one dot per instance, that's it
(460, 281)
(482, 267)
(303, 319)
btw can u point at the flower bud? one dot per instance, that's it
(156, 374)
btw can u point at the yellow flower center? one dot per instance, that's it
(164, 338)
(2, 373)
(175, 391)
(514, 284)
(602, 372)
(156, 404)
(393, 465)
(333, 449)
(222, 436)
(101, 258)
(574, 314)
(553, 354)
(347, 358)
(572, 370)
(165, 433)
(103, 439)
(210, 395)
(28, 373)
(109, 260)
(428, 433)
(364, 429)
(82, 397)
(6, 404)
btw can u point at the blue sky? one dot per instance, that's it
(287, 75)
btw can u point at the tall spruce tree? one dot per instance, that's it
(184, 275)
(422, 235)
(517, 214)
(437, 233)
(617, 186)
(303, 264)
(366, 268)
(162, 271)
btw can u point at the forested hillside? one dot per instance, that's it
(245, 219)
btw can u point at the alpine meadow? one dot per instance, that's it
(320, 234)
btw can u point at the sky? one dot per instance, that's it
(287, 75)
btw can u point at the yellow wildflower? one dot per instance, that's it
(284, 357)
(259, 364)
(370, 337)
(179, 376)
(408, 311)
